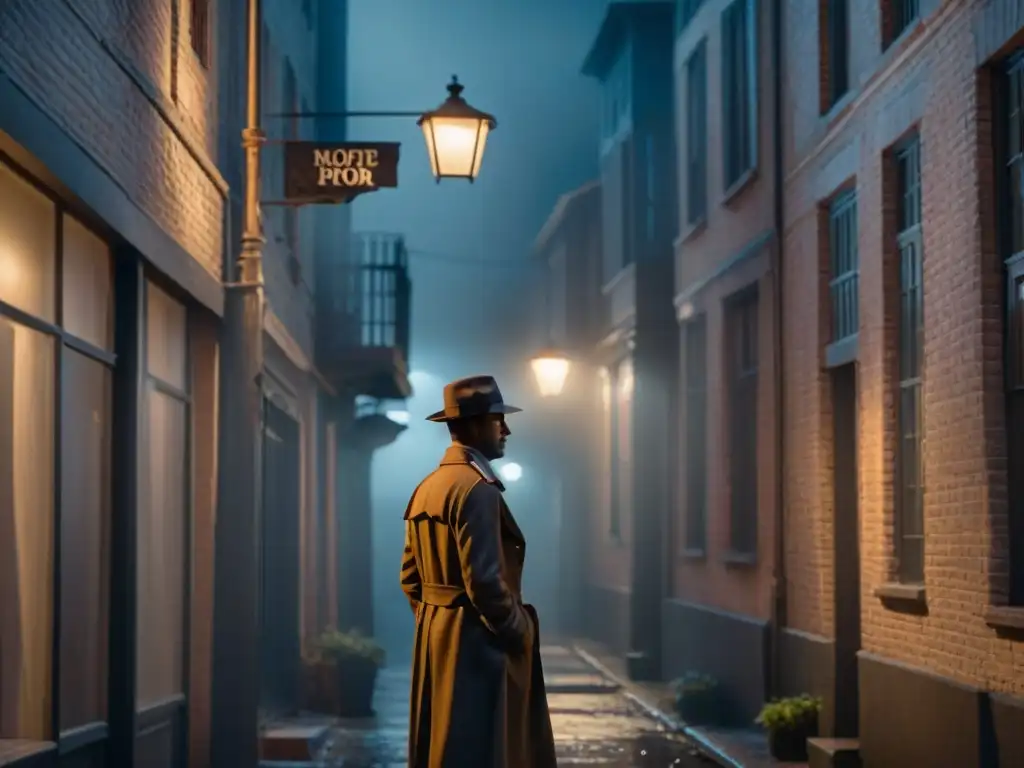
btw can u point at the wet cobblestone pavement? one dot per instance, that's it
(595, 724)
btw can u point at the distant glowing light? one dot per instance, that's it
(550, 369)
(511, 472)
(399, 417)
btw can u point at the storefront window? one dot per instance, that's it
(163, 511)
(87, 286)
(28, 248)
(26, 530)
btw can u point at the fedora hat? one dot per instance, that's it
(472, 396)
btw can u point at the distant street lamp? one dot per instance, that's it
(550, 369)
(456, 136)
(511, 472)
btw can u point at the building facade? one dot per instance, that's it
(903, 534)
(721, 557)
(120, 211)
(568, 248)
(631, 59)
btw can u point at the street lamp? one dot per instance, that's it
(511, 472)
(456, 136)
(550, 369)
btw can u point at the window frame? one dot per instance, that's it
(695, 398)
(739, 79)
(909, 533)
(1008, 111)
(697, 145)
(200, 30)
(65, 343)
(836, 39)
(743, 325)
(898, 17)
(844, 283)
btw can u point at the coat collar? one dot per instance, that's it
(458, 453)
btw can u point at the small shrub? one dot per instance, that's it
(693, 682)
(338, 646)
(790, 714)
(698, 699)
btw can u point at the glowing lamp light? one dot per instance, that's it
(510, 472)
(399, 417)
(456, 136)
(550, 369)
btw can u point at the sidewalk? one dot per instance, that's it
(729, 747)
(596, 723)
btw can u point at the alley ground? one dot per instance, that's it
(595, 724)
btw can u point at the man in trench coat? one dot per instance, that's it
(478, 698)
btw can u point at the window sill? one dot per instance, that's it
(735, 559)
(693, 553)
(14, 752)
(907, 598)
(692, 231)
(1009, 617)
(735, 189)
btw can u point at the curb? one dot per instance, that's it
(700, 742)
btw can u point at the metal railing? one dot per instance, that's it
(370, 294)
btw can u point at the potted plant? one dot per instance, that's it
(790, 723)
(356, 659)
(698, 699)
(320, 682)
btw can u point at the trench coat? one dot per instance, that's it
(478, 697)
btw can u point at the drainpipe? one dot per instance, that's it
(778, 611)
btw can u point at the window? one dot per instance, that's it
(199, 30)
(836, 46)
(609, 463)
(696, 134)
(845, 266)
(898, 15)
(53, 377)
(163, 512)
(909, 448)
(685, 11)
(616, 96)
(695, 376)
(623, 441)
(739, 91)
(742, 362)
(1012, 104)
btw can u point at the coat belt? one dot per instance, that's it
(443, 596)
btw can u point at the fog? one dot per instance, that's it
(476, 307)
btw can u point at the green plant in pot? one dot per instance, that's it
(790, 723)
(356, 659)
(698, 699)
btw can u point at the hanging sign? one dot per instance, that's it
(318, 172)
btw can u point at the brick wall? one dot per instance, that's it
(732, 226)
(927, 79)
(121, 79)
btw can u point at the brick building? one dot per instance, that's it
(723, 532)
(120, 208)
(903, 488)
(631, 60)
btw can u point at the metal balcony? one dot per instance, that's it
(363, 315)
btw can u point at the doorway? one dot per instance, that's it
(846, 550)
(279, 614)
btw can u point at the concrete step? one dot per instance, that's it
(833, 753)
(578, 682)
(292, 743)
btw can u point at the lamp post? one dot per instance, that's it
(457, 135)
